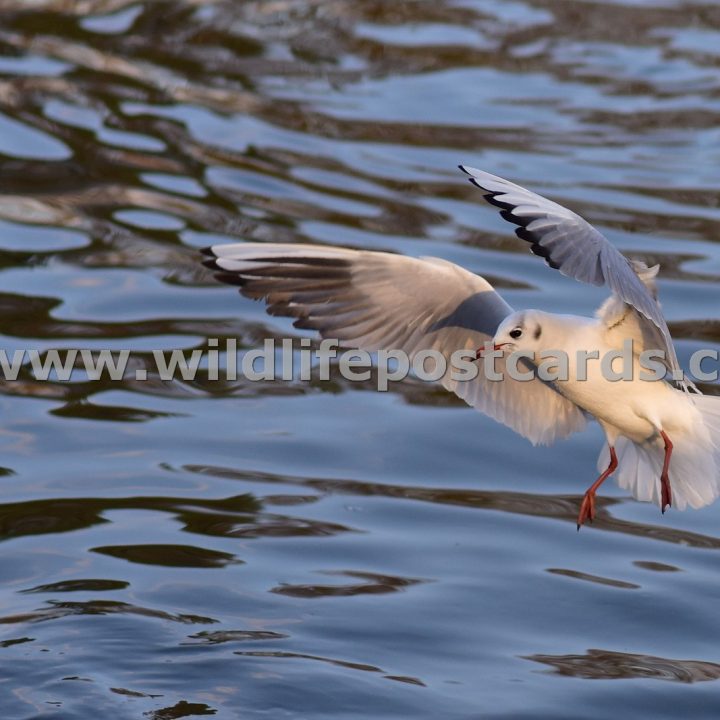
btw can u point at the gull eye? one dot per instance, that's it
(516, 333)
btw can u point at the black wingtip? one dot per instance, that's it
(211, 264)
(489, 196)
(207, 251)
(464, 169)
(230, 278)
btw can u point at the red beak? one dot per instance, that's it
(480, 352)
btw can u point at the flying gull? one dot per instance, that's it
(663, 443)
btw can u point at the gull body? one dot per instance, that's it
(635, 408)
(663, 443)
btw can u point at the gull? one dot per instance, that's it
(662, 442)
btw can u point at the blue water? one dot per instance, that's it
(293, 550)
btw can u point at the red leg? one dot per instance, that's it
(666, 500)
(587, 508)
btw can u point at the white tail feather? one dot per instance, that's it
(694, 466)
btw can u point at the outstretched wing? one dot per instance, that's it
(575, 248)
(375, 300)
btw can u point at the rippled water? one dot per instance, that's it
(185, 549)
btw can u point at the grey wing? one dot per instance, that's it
(373, 301)
(575, 248)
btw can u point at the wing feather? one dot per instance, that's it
(374, 301)
(575, 248)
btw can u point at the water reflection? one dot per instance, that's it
(93, 585)
(372, 584)
(607, 665)
(170, 555)
(556, 507)
(237, 548)
(57, 610)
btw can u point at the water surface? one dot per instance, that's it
(264, 550)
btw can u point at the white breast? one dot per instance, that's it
(636, 408)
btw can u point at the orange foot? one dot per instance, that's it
(587, 509)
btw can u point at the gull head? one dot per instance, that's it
(521, 331)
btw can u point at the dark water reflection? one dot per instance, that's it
(235, 549)
(600, 664)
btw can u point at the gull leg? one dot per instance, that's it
(666, 500)
(587, 508)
